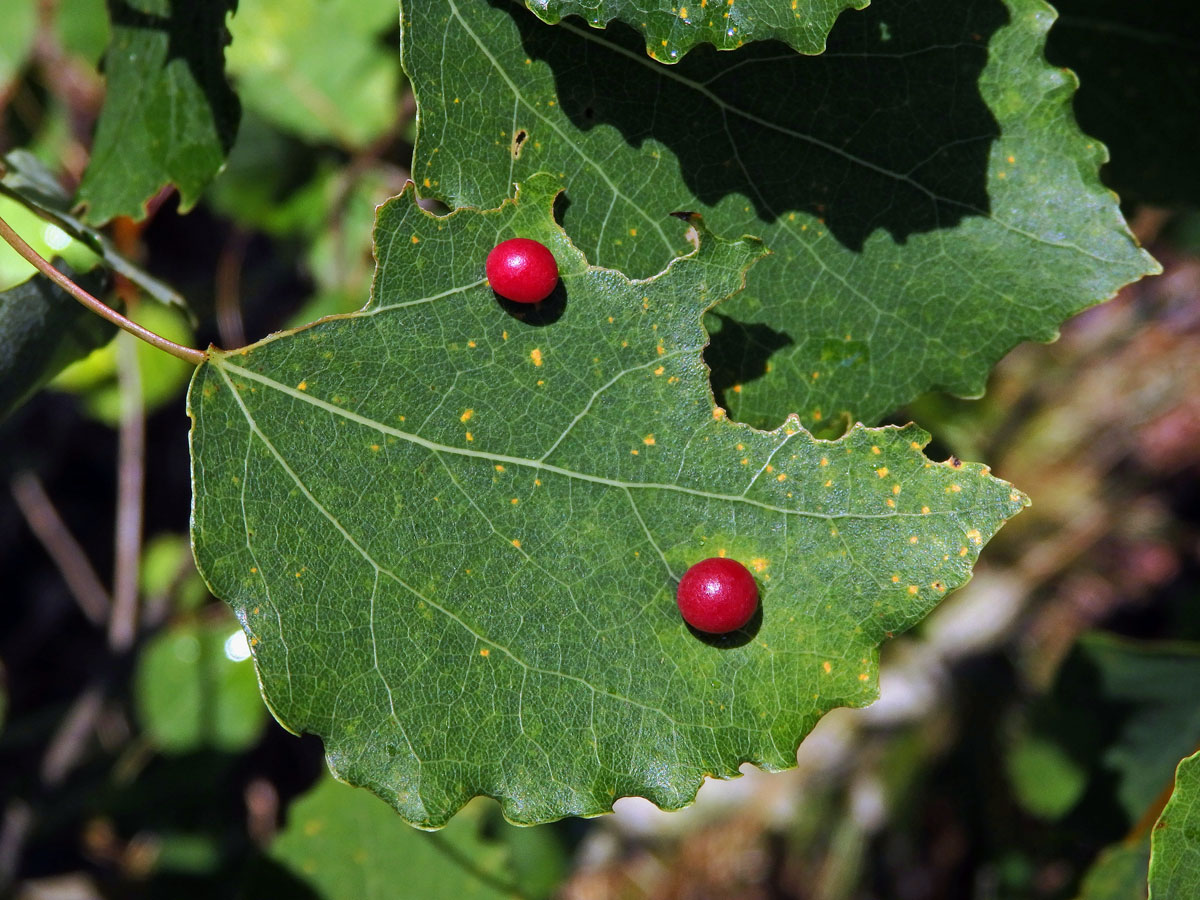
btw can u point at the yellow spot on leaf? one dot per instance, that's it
(895, 579)
(514, 501)
(974, 536)
(516, 543)
(302, 386)
(721, 553)
(648, 440)
(466, 415)
(499, 468)
(758, 564)
(470, 437)
(827, 667)
(718, 413)
(824, 460)
(659, 370)
(375, 448)
(913, 539)
(781, 477)
(912, 589)
(882, 472)
(484, 652)
(536, 356)
(876, 450)
(924, 510)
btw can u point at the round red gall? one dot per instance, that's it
(522, 270)
(717, 595)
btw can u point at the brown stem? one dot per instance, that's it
(131, 478)
(189, 354)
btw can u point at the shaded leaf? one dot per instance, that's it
(453, 532)
(1139, 71)
(672, 29)
(1124, 712)
(169, 117)
(1175, 844)
(42, 330)
(927, 197)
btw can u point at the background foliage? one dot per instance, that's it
(1028, 731)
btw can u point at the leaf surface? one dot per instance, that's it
(43, 330)
(169, 116)
(1139, 71)
(344, 845)
(1175, 843)
(672, 29)
(453, 535)
(926, 194)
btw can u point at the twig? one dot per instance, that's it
(131, 478)
(14, 829)
(67, 746)
(68, 556)
(228, 290)
(189, 354)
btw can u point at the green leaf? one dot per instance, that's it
(1119, 873)
(671, 30)
(1175, 844)
(1124, 712)
(16, 38)
(163, 376)
(342, 844)
(1047, 781)
(926, 195)
(318, 67)
(42, 330)
(1139, 68)
(453, 534)
(28, 181)
(192, 695)
(169, 117)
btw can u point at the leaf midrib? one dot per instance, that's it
(222, 363)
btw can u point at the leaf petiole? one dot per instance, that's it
(99, 307)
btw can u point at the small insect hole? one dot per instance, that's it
(589, 113)
(518, 142)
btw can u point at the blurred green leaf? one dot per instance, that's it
(343, 844)
(1139, 71)
(82, 27)
(318, 68)
(926, 194)
(1175, 845)
(1119, 873)
(29, 182)
(191, 695)
(18, 25)
(42, 330)
(1126, 712)
(163, 376)
(169, 116)
(1046, 780)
